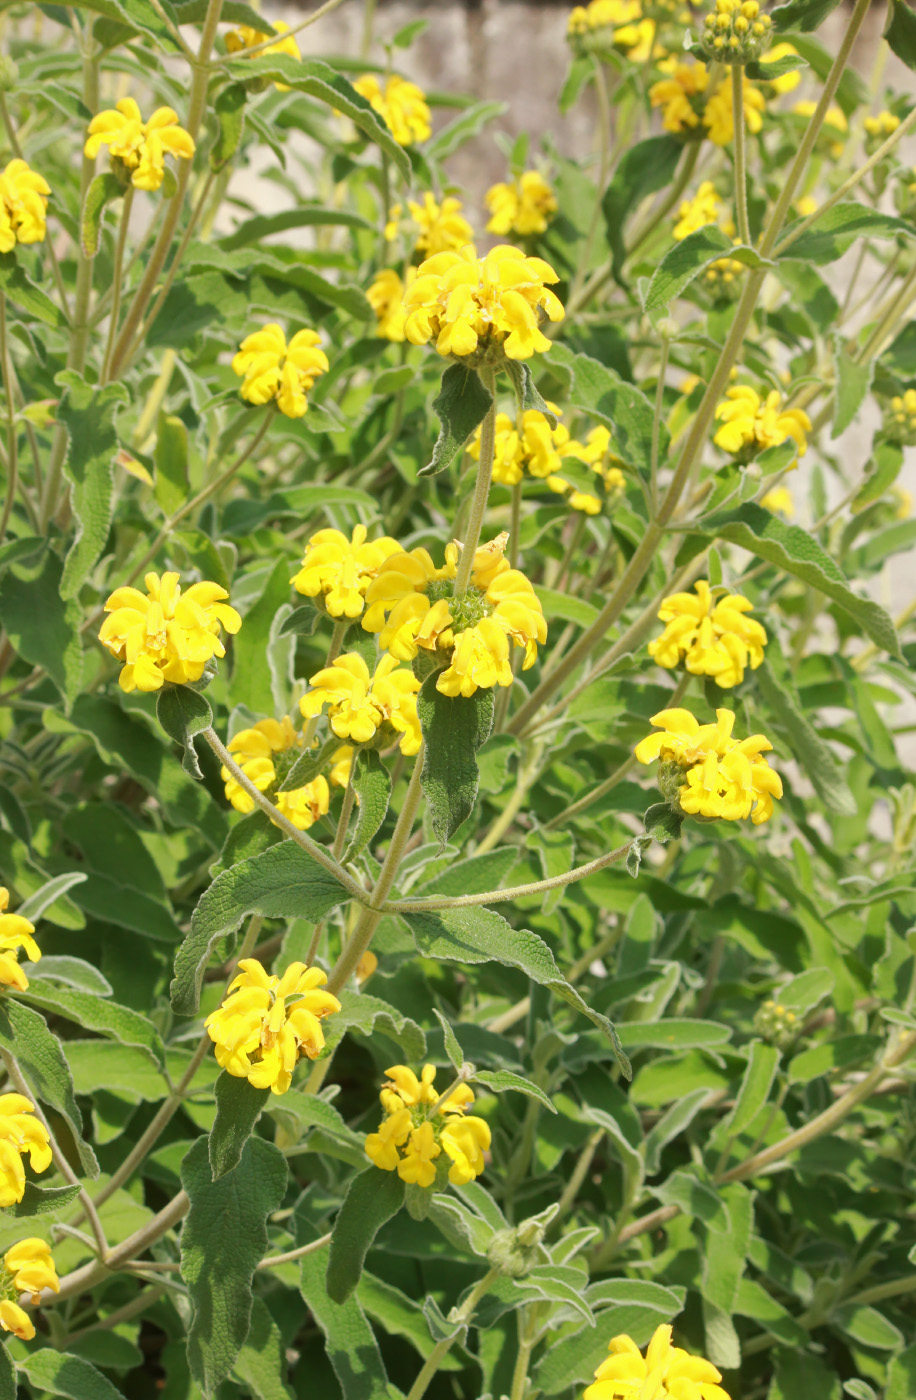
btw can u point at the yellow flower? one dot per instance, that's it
(411, 604)
(665, 1372)
(29, 1268)
(270, 369)
(164, 634)
(789, 81)
(595, 453)
(883, 125)
(418, 1128)
(806, 205)
(244, 37)
(14, 1319)
(904, 502)
(443, 228)
(735, 31)
(23, 206)
(360, 704)
(710, 773)
(901, 420)
(834, 118)
(15, 933)
(696, 213)
(674, 93)
(258, 753)
(386, 297)
(20, 1133)
(523, 207)
(533, 446)
(779, 501)
(401, 105)
(366, 966)
(613, 24)
(718, 117)
(751, 424)
(341, 764)
(258, 1036)
(339, 570)
(486, 307)
(713, 638)
(141, 146)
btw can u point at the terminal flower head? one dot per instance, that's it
(706, 773)
(718, 114)
(713, 637)
(522, 207)
(271, 370)
(527, 445)
(611, 24)
(901, 419)
(338, 570)
(665, 1372)
(164, 634)
(266, 1023)
(411, 604)
(140, 146)
(418, 1128)
(360, 705)
(441, 227)
(386, 297)
(15, 933)
(881, 126)
(23, 205)
(704, 208)
(401, 105)
(27, 1269)
(679, 94)
(265, 753)
(751, 423)
(736, 31)
(20, 1133)
(482, 308)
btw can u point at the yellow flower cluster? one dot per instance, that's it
(750, 424)
(20, 1133)
(881, 126)
(689, 108)
(386, 297)
(779, 501)
(164, 634)
(776, 1022)
(360, 705)
(902, 417)
(401, 105)
(420, 1125)
(23, 206)
(265, 753)
(438, 228)
(27, 1268)
(482, 307)
(704, 208)
(736, 31)
(271, 370)
(531, 445)
(338, 571)
(834, 119)
(411, 604)
(523, 207)
(140, 146)
(609, 24)
(15, 933)
(665, 1372)
(712, 637)
(244, 37)
(266, 1023)
(707, 772)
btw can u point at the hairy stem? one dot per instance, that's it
(481, 490)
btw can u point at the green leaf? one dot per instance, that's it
(261, 1364)
(805, 991)
(809, 749)
(672, 1123)
(502, 1081)
(253, 682)
(798, 553)
(454, 728)
(42, 1200)
(799, 1376)
(351, 1346)
(170, 457)
(25, 1035)
(238, 1107)
(309, 764)
(619, 405)
(837, 229)
(103, 190)
(767, 71)
(23, 293)
(725, 1256)
(900, 31)
(526, 393)
(631, 1306)
(31, 590)
(280, 883)
(462, 128)
(367, 1015)
(901, 1375)
(643, 169)
(229, 110)
(462, 404)
(662, 823)
(460, 1225)
(762, 1064)
(452, 1046)
(853, 382)
(223, 1240)
(674, 1034)
(95, 1013)
(579, 72)
(57, 1373)
(7, 1375)
(372, 1199)
(688, 258)
(33, 907)
(261, 226)
(476, 935)
(868, 1327)
(317, 79)
(184, 712)
(802, 14)
(371, 782)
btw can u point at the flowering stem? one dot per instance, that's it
(604, 131)
(515, 518)
(344, 821)
(481, 490)
(265, 44)
(656, 425)
(12, 446)
(117, 277)
(744, 228)
(442, 1348)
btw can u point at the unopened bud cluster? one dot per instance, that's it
(776, 1023)
(735, 31)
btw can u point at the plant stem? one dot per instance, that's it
(439, 1352)
(744, 228)
(522, 1362)
(12, 445)
(515, 517)
(579, 1173)
(256, 49)
(481, 490)
(292, 1255)
(604, 131)
(143, 1300)
(343, 822)
(116, 281)
(656, 425)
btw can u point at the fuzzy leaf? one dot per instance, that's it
(501, 1081)
(351, 1346)
(184, 712)
(59, 1373)
(837, 229)
(229, 110)
(853, 382)
(526, 393)
(103, 190)
(371, 782)
(688, 258)
(43, 1200)
(643, 169)
(454, 729)
(372, 1199)
(762, 1064)
(25, 1034)
(30, 589)
(461, 406)
(802, 14)
(619, 405)
(900, 31)
(23, 293)
(238, 1107)
(95, 1013)
(810, 750)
